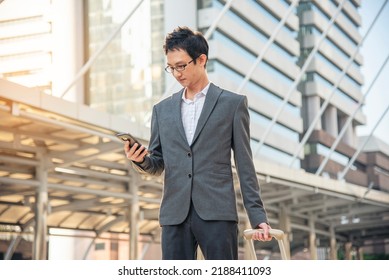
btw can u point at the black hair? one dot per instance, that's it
(183, 38)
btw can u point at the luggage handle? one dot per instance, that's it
(275, 233)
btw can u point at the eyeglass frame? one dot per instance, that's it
(170, 69)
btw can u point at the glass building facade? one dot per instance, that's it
(127, 78)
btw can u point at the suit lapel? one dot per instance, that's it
(176, 99)
(210, 102)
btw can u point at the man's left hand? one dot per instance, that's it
(265, 236)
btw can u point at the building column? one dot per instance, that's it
(312, 238)
(313, 108)
(39, 251)
(331, 121)
(348, 137)
(285, 225)
(360, 253)
(68, 48)
(348, 248)
(333, 245)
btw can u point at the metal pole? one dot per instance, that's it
(333, 251)
(16, 240)
(218, 18)
(312, 237)
(284, 224)
(100, 231)
(93, 58)
(12, 247)
(41, 211)
(89, 248)
(133, 187)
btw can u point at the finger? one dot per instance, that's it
(135, 151)
(134, 148)
(267, 236)
(144, 153)
(258, 236)
(266, 233)
(139, 150)
(139, 153)
(130, 152)
(126, 146)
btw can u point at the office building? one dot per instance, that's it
(332, 85)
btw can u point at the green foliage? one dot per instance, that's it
(376, 257)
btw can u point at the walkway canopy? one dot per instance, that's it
(62, 167)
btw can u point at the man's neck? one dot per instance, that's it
(190, 92)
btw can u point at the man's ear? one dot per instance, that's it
(203, 59)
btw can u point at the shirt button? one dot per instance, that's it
(189, 175)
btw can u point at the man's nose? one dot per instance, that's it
(176, 73)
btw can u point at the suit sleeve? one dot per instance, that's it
(153, 163)
(245, 167)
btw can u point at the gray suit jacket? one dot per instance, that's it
(202, 171)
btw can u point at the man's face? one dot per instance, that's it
(185, 70)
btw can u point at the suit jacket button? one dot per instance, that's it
(189, 154)
(189, 175)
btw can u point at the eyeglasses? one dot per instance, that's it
(178, 68)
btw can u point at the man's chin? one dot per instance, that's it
(183, 83)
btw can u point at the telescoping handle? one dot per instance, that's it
(275, 233)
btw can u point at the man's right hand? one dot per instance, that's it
(136, 153)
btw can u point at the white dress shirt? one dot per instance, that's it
(190, 112)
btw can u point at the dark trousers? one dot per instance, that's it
(218, 240)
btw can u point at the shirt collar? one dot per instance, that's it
(203, 91)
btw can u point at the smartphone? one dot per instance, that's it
(128, 137)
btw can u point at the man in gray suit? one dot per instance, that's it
(193, 133)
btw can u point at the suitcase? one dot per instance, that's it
(275, 233)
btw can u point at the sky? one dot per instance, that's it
(375, 50)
